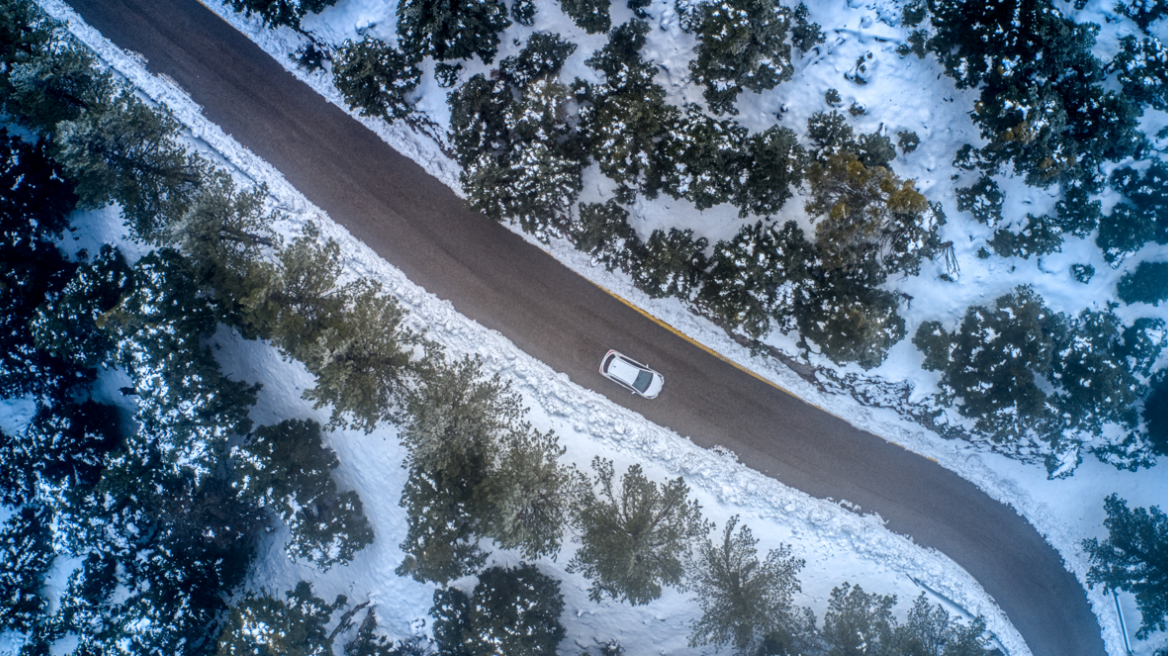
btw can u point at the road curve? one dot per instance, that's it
(494, 277)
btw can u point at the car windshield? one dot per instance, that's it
(643, 380)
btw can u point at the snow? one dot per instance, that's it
(838, 544)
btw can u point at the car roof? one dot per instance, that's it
(620, 368)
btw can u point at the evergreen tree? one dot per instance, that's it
(1143, 71)
(375, 78)
(776, 165)
(450, 29)
(929, 631)
(857, 623)
(268, 625)
(1147, 284)
(1038, 236)
(1094, 376)
(512, 612)
(281, 12)
(532, 495)
(849, 320)
(444, 510)
(635, 539)
(27, 549)
(743, 45)
(128, 152)
(603, 232)
(758, 276)
(55, 86)
(1142, 219)
(1143, 12)
(1156, 416)
(742, 598)
(704, 160)
(993, 361)
(672, 264)
(368, 642)
(984, 200)
(589, 15)
(287, 469)
(805, 35)
(1132, 559)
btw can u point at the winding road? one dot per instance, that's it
(504, 283)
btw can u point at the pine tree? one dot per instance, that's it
(532, 495)
(758, 277)
(1156, 415)
(128, 152)
(1142, 219)
(444, 515)
(1132, 559)
(805, 35)
(268, 625)
(512, 612)
(704, 160)
(375, 78)
(450, 29)
(1038, 236)
(1093, 374)
(25, 31)
(742, 598)
(672, 264)
(984, 200)
(56, 86)
(281, 12)
(287, 469)
(1143, 71)
(993, 360)
(368, 642)
(743, 45)
(848, 319)
(603, 232)
(857, 623)
(635, 539)
(1143, 12)
(1147, 284)
(929, 631)
(27, 550)
(589, 15)
(777, 162)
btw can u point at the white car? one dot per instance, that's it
(631, 375)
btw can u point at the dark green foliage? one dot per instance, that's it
(704, 160)
(1147, 284)
(589, 15)
(1037, 237)
(523, 11)
(287, 469)
(375, 78)
(928, 631)
(368, 642)
(1093, 373)
(758, 277)
(512, 612)
(281, 12)
(831, 135)
(309, 58)
(743, 45)
(776, 164)
(627, 116)
(1076, 213)
(849, 320)
(25, 32)
(603, 232)
(27, 553)
(742, 599)
(1143, 12)
(128, 152)
(268, 625)
(805, 35)
(1083, 272)
(672, 264)
(442, 541)
(832, 98)
(47, 90)
(520, 157)
(858, 623)
(914, 13)
(1142, 219)
(983, 200)
(992, 361)
(1042, 107)
(636, 539)
(447, 74)
(1143, 71)
(856, 109)
(450, 29)
(908, 141)
(1132, 559)
(1156, 416)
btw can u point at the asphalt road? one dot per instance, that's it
(494, 277)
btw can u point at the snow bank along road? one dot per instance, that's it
(494, 277)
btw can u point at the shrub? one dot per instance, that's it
(1147, 284)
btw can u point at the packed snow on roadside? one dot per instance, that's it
(838, 544)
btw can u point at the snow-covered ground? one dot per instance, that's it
(837, 543)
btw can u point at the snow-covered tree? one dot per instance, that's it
(589, 15)
(983, 199)
(704, 160)
(993, 361)
(512, 612)
(637, 538)
(805, 34)
(1147, 284)
(742, 598)
(269, 625)
(858, 623)
(281, 12)
(450, 29)
(603, 231)
(1141, 219)
(1143, 12)
(1094, 376)
(286, 469)
(375, 78)
(759, 276)
(26, 553)
(445, 510)
(849, 320)
(59, 85)
(929, 631)
(1131, 559)
(1038, 235)
(743, 45)
(1142, 69)
(672, 264)
(776, 165)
